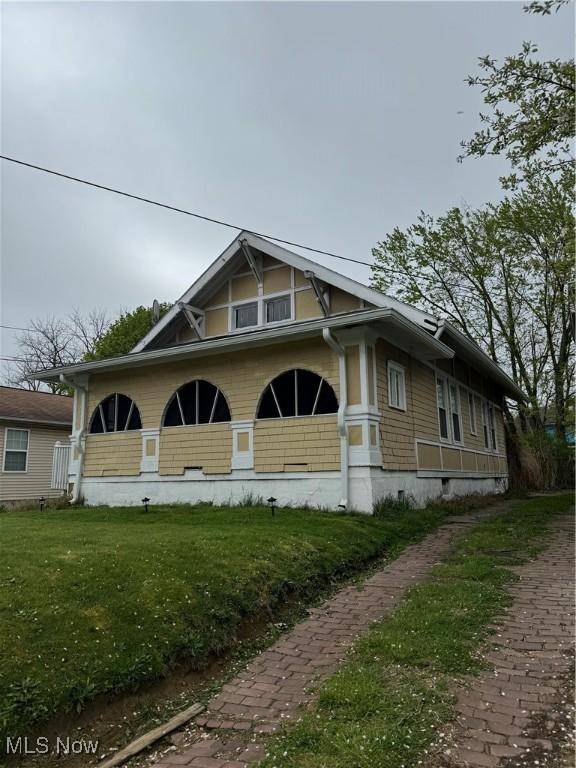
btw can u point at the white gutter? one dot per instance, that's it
(339, 349)
(78, 434)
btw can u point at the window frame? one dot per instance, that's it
(114, 431)
(238, 305)
(269, 300)
(449, 383)
(453, 385)
(176, 397)
(15, 450)
(400, 370)
(322, 381)
(444, 381)
(472, 414)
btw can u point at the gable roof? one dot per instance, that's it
(39, 407)
(223, 266)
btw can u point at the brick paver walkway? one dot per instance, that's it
(510, 715)
(278, 681)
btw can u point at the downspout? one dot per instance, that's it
(339, 349)
(78, 442)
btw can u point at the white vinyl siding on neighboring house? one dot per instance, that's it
(36, 481)
(396, 386)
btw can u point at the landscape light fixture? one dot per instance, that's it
(272, 502)
(42, 501)
(145, 501)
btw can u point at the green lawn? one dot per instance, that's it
(392, 698)
(98, 599)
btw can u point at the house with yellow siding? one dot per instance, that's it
(276, 376)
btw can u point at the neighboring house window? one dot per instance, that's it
(455, 413)
(278, 309)
(16, 450)
(472, 411)
(246, 315)
(297, 393)
(198, 402)
(117, 413)
(396, 386)
(442, 407)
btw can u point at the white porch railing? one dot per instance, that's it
(60, 462)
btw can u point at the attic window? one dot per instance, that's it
(198, 402)
(278, 309)
(297, 393)
(117, 413)
(246, 315)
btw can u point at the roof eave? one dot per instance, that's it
(482, 361)
(43, 422)
(292, 332)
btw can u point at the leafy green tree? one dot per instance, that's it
(532, 116)
(503, 275)
(125, 332)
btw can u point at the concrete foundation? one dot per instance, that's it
(312, 489)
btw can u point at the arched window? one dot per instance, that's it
(297, 393)
(197, 402)
(116, 413)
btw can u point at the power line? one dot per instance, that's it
(180, 210)
(17, 328)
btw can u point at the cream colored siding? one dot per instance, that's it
(354, 391)
(113, 454)
(300, 443)
(207, 447)
(398, 429)
(242, 378)
(276, 280)
(217, 322)
(244, 287)
(35, 482)
(306, 305)
(429, 456)
(340, 301)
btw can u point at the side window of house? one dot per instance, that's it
(396, 386)
(449, 411)
(297, 393)
(117, 413)
(442, 399)
(455, 413)
(472, 414)
(16, 443)
(198, 402)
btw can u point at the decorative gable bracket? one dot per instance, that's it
(253, 261)
(319, 291)
(195, 317)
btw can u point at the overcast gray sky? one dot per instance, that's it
(324, 123)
